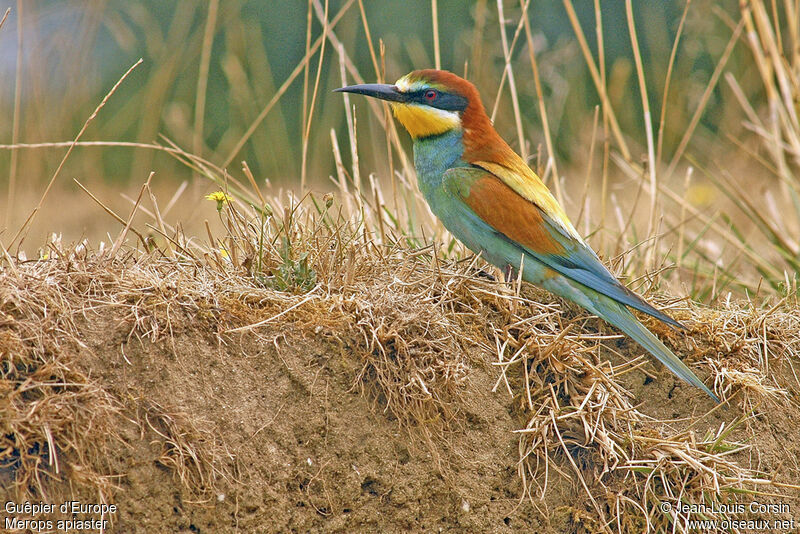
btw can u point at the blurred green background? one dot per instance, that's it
(74, 51)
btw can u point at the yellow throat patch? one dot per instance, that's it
(423, 121)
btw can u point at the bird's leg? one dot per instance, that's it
(510, 274)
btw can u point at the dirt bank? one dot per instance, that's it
(391, 397)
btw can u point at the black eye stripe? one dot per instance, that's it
(444, 101)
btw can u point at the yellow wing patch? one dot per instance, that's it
(519, 177)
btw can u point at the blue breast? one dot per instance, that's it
(433, 156)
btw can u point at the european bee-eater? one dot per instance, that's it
(489, 198)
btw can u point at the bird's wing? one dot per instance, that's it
(518, 176)
(525, 223)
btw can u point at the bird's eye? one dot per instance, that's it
(430, 95)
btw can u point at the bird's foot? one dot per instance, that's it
(510, 274)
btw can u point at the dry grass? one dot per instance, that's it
(58, 421)
(55, 420)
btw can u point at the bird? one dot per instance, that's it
(488, 197)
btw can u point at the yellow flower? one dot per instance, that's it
(701, 195)
(220, 197)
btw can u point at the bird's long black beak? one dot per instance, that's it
(376, 90)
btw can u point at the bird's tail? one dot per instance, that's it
(621, 317)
